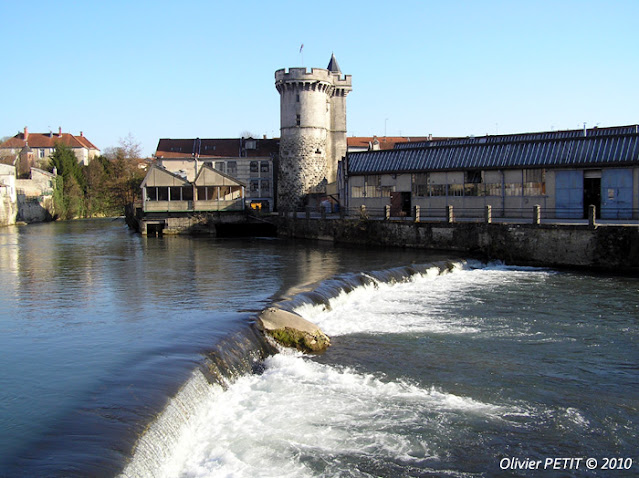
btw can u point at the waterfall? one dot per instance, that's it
(239, 354)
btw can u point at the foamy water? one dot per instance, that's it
(300, 415)
(441, 375)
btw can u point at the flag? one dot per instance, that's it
(301, 47)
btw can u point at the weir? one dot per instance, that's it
(239, 354)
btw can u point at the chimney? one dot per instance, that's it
(26, 133)
(59, 131)
(81, 134)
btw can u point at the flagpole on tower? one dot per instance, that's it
(302, 53)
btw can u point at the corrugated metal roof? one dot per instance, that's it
(599, 146)
(512, 138)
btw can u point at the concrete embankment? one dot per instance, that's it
(551, 245)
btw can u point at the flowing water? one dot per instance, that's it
(136, 356)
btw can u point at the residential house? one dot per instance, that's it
(26, 150)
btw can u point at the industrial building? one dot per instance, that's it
(563, 172)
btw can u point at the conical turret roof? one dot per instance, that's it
(332, 65)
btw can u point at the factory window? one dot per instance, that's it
(266, 187)
(456, 190)
(163, 194)
(264, 166)
(472, 177)
(187, 193)
(231, 168)
(437, 190)
(420, 184)
(220, 166)
(255, 187)
(253, 166)
(358, 192)
(175, 193)
(385, 191)
(534, 182)
(491, 189)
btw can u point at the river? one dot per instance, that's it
(130, 355)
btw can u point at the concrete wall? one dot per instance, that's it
(8, 211)
(8, 195)
(604, 247)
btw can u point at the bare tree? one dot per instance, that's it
(127, 148)
(247, 134)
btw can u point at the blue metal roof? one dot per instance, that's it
(585, 148)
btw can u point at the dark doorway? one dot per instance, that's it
(592, 195)
(400, 204)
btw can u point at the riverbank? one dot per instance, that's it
(600, 247)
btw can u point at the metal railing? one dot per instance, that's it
(487, 214)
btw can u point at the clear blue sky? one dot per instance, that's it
(206, 68)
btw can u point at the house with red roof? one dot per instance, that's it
(26, 150)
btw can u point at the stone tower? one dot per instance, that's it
(312, 130)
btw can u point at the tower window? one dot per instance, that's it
(298, 120)
(297, 98)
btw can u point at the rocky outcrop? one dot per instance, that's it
(292, 330)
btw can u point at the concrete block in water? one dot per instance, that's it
(292, 330)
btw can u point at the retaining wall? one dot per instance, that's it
(599, 247)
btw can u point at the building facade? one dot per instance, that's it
(252, 162)
(211, 191)
(312, 130)
(27, 150)
(564, 172)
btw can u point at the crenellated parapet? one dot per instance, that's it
(318, 79)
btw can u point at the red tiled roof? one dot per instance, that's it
(47, 140)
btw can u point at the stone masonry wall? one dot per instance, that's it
(613, 248)
(302, 168)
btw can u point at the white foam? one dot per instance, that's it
(298, 410)
(418, 305)
(163, 443)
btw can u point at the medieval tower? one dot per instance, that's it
(312, 130)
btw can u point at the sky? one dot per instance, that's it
(206, 69)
